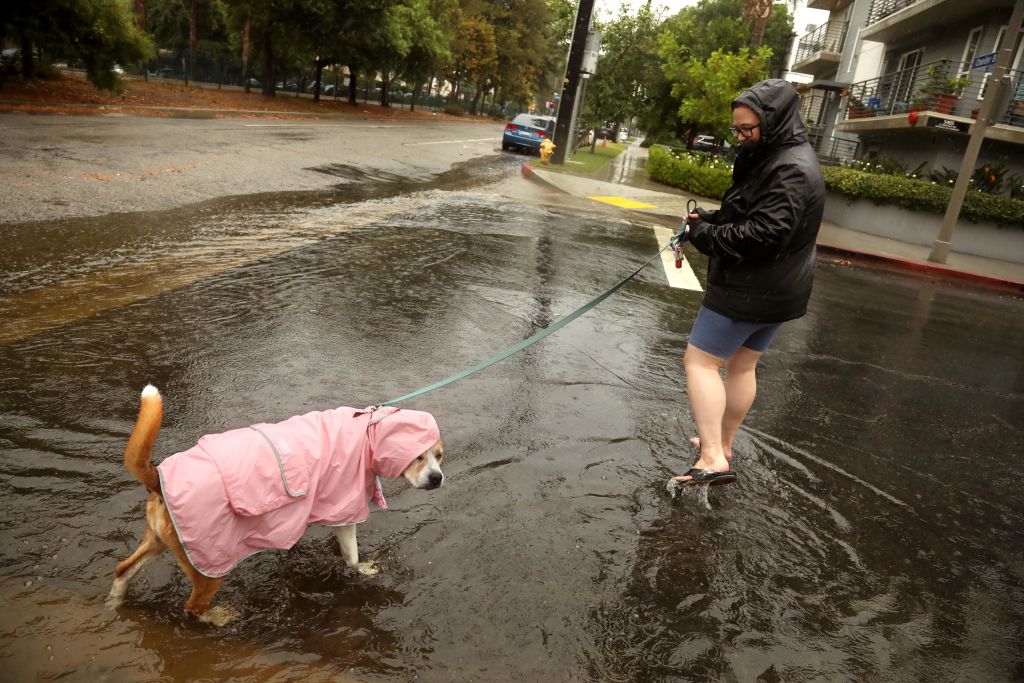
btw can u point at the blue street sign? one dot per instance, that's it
(984, 60)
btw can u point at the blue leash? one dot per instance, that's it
(676, 244)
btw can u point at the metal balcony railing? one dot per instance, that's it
(880, 9)
(937, 87)
(828, 37)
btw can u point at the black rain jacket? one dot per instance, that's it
(761, 242)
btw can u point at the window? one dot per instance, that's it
(1014, 61)
(970, 52)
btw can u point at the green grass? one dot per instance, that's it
(585, 162)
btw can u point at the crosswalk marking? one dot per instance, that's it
(621, 202)
(680, 278)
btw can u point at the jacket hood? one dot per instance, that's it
(397, 437)
(778, 105)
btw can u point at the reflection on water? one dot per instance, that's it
(874, 533)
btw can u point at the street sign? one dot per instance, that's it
(985, 61)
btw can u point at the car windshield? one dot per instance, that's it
(534, 121)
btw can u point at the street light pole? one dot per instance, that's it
(567, 103)
(993, 95)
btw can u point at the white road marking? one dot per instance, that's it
(680, 278)
(316, 125)
(448, 142)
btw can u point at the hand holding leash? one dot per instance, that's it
(680, 237)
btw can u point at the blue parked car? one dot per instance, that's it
(527, 131)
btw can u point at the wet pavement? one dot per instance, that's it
(874, 533)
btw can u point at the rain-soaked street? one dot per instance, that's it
(875, 532)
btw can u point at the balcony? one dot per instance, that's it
(890, 21)
(939, 98)
(818, 53)
(829, 5)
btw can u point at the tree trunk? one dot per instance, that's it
(268, 87)
(476, 100)
(28, 65)
(757, 12)
(352, 87)
(140, 23)
(246, 46)
(193, 37)
(318, 79)
(415, 89)
(385, 89)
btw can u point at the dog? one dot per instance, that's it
(258, 488)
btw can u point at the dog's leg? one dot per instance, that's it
(203, 587)
(150, 548)
(346, 536)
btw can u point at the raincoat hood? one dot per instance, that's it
(777, 104)
(397, 437)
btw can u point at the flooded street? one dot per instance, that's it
(875, 532)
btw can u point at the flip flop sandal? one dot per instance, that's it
(699, 476)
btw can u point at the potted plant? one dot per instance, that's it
(938, 91)
(856, 109)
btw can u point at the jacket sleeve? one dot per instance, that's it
(766, 229)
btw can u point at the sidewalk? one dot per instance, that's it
(625, 184)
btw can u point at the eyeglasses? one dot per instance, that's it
(747, 131)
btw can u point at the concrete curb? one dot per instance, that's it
(935, 269)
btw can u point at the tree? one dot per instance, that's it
(474, 53)
(99, 33)
(430, 45)
(695, 33)
(628, 66)
(706, 89)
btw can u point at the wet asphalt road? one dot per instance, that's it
(68, 166)
(874, 533)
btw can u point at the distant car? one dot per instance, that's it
(705, 143)
(253, 83)
(527, 131)
(605, 133)
(623, 134)
(118, 69)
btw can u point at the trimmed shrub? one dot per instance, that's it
(689, 172)
(453, 110)
(919, 195)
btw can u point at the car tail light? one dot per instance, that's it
(543, 135)
(510, 126)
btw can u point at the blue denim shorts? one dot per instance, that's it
(720, 336)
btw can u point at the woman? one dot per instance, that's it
(761, 249)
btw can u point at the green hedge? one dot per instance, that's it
(921, 195)
(688, 172)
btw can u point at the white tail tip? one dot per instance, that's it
(150, 390)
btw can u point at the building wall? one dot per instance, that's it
(940, 150)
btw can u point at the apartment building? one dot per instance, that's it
(905, 79)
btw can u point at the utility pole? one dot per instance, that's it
(993, 96)
(571, 83)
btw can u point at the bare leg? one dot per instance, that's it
(708, 402)
(740, 389)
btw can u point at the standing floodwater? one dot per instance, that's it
(874, 532)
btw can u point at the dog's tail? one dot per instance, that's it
(139, 452)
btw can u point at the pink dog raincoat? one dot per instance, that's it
(258, 488)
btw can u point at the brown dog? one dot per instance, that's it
(320, 468)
